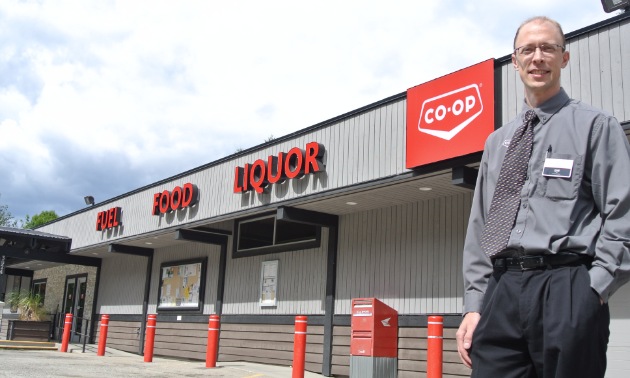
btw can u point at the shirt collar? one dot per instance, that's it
(547, 109)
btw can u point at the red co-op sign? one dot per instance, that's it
(293, 164)
(450, 116)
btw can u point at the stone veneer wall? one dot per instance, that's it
(56, 281)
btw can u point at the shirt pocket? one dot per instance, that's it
(559, 188)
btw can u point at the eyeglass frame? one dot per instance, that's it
(564, 48)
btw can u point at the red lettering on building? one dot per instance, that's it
(294, 164)
(178, 198)
(108, 219)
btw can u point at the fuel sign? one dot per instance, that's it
(450, 116)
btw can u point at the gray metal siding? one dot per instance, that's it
(183, 252)
(301, 282)
(409, 256)
(121, 290)
(598, 73)
(350, 146)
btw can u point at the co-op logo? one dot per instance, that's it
(446, 115)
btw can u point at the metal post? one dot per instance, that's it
(102, 338)
(434, 347)
(148, 350)
(213, 341)
(67, 327)
(299, 347)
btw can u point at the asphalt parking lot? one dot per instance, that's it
(21, 363)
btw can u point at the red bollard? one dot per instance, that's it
(148, 345)
(299, 347)
(67, 327)
(434, 348)
(102, 338)
(213, 341)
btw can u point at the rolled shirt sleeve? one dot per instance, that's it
(610, 179)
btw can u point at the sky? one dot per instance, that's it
(102, 97)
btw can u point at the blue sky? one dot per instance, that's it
(102, 97)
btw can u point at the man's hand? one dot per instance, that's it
(464, 336)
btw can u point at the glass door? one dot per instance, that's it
(79, 324)
(74, 303)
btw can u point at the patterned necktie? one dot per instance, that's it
(507, 194)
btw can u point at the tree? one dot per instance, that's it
(41, 218)
(270, 138)
(6, 219)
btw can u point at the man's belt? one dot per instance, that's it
(540, 261)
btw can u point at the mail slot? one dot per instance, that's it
(374, 330)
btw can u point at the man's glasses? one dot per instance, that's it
(547, 49)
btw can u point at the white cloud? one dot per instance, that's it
(167, 86)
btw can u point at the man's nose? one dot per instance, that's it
(538, 55)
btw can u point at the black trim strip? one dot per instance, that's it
(200, 237)
(18, 272)
(329, 305)
(124, 317)
(130, 250)
(145, 303)
(404, 321)
(270, 319)
(93, 317)
(49, 256)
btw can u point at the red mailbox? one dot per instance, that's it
(374, 331)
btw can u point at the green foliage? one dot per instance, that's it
(6, 219)
(41, 218)
(28, 305)
(238, 150)
(270, 138)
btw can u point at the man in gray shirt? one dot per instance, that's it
(549, 233)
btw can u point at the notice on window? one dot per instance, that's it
(180, 286)
(269, 283)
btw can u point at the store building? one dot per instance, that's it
(373, 203)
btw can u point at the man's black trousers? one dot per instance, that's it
(546, 323)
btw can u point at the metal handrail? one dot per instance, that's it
(85, 335)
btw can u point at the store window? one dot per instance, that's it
(39, 287)
(266, 234)
(182, 285)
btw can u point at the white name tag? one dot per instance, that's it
(558, 168)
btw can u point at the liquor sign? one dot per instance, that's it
(450, 116)
(108, 219)
(293, 164)
(178, 198)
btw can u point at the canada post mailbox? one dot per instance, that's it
(374, 330)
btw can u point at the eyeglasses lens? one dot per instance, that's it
(545, 49)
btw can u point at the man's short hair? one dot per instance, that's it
(541, 19)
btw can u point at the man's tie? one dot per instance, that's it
(507, 194)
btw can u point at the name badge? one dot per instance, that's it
(558, 168)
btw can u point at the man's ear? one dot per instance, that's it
(514, 62)
(565, 59)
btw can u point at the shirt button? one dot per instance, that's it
(518, 231)
(525, 206)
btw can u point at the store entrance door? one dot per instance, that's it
(74, 303)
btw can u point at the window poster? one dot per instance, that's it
(269, 283)
(180, 286)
